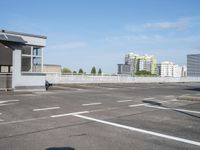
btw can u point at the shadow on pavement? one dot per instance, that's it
(60, 148)
(193, 89)
(153, 103)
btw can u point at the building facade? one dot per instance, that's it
(124, 69)
(169, 69)
(135, 62)
(21, 60)
(193, 65)
(54, 69)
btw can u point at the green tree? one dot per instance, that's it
(93, 71)
(74, 72)
(143, 73)
(66, 70)
(99, 72)
(80, 71)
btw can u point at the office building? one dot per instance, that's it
(169, 69)
(193, 65)
(135, 62)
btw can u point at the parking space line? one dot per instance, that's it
(148, 98)
(177, 109)
(49, 108)
(70, 114)
(141, 130)
(136, 105)
(123, 101)
(21, 121)
(8, 104)
(1, 120)
(7, 101)
(169, 96)
(146, 104)
(90, 104)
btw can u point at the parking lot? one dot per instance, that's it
(101, 117)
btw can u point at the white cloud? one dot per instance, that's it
(179, 24)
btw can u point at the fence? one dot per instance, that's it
(5, 81)
(62, 79)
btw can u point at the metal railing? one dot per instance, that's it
(5, 81)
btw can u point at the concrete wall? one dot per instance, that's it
(62, 79)
(52, 69)
(25, 81)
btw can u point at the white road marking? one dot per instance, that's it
(0, 113)
(142, 131)
(70, 114)
(90, 104)
(177, 109)
(1, 120)
(144, 104)
(137, 105)
(123, 101)
(20, 121)
(185, 94)
(169, 96)
(8, 104)
(49, 108)
(5, 101)
(149, 98)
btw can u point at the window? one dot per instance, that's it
(26, 64)
(37, 64)
(37, 52)
(5, 69)
(31, 59)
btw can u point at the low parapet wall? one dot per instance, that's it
(65, 79)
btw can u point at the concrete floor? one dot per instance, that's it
(101, 117)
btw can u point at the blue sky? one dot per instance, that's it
(86, 33)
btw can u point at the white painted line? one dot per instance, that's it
(5, 101)
(8, 104)
(185, 94)
(70, 114)
(142, 131)
(0, 113)
(189, 111)
(169, 96)
(183, 110)
(137, 105)
(104, 109)
(123, 101)
(154, 106)
(21, 121)
(144, 104)
(49, 108)
(90, 104)
(1, 120)
(149, 98)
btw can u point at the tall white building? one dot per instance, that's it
(169, 69)
(140, 62)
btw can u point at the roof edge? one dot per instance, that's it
(20, 33)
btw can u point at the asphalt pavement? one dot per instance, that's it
(102, 117)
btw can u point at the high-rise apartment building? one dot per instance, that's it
(193, 65)
(138, 63)
(169, 69)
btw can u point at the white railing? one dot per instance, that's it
(62, 79)
(5, 81)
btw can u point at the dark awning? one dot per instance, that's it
(11, 38)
